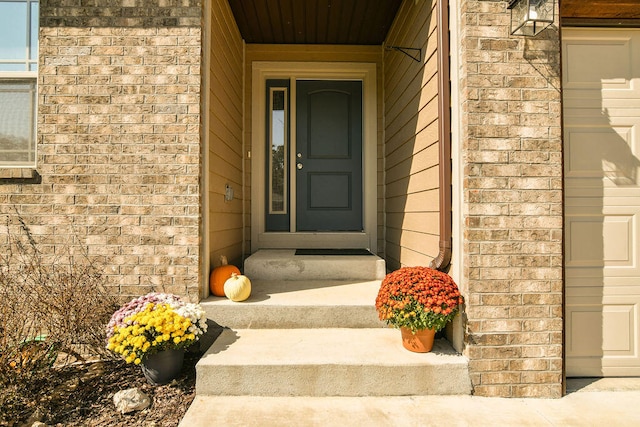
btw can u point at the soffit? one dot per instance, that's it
(359, 22)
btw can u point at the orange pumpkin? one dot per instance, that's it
(219, 275)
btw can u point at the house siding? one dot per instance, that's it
(411, 138)
(513, 216)
(120, 156)
(225, 143)
(119, 140)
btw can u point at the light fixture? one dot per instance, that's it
(529, 17)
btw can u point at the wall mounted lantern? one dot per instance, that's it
(529, 17)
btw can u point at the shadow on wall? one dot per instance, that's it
(545, 61)
(411, 139)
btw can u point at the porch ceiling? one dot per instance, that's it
(360, 22)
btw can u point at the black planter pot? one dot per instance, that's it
(160, 368)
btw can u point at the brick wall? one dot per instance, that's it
(511, 137)
(119, 139)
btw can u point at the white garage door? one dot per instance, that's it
(601, 92)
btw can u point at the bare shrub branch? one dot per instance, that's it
(53, 311)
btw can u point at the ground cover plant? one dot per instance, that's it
(54, 365)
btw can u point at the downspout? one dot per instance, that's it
(443, 259)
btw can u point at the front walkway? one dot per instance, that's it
(607, 402)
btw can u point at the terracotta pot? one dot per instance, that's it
(420, 342)
(160, 368)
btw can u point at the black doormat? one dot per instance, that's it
(333, 252)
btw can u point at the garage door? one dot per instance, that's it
(601, 93)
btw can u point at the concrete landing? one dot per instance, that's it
(284, 264)
(327, 362)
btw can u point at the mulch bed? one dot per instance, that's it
(82, 395)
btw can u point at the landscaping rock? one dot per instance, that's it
(130, 400)
(35, 418)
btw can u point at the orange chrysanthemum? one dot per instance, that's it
(418, 298)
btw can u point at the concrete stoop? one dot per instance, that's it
(317, 335)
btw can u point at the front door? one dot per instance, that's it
(314, 178)
(329, 155)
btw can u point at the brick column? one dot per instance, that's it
(511, 133)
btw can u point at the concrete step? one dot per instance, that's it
(300, 304)
(327, 362)
(284, 264)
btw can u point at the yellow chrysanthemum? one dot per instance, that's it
(157, 325)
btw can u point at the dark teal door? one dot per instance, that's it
(329, 155)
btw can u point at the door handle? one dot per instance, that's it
(299, 166)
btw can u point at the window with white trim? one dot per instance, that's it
(18, 82)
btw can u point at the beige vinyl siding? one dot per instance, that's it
(225, 136)
(411, 139)
(318, 53)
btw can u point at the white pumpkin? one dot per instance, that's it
(237, 287)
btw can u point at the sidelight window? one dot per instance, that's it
(279, 144)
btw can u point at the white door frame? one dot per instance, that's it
(205, 244)
(366, 72)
